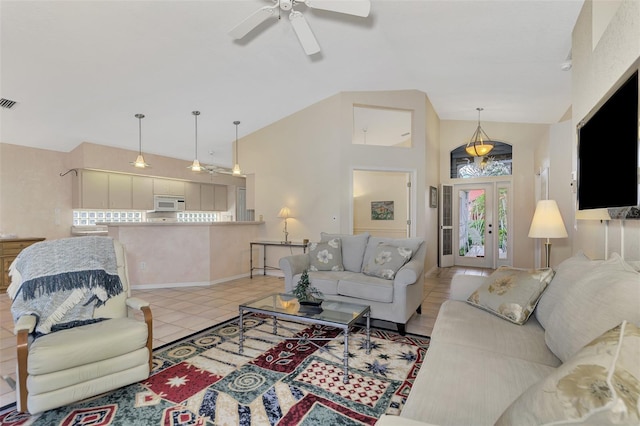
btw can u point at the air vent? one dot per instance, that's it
(7, 103)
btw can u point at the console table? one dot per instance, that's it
(264, 245)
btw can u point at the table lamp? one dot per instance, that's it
(547, 223)
(285, 213)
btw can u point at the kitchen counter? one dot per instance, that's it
(175, 254)
(173, 223)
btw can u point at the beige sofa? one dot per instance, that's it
(394, 300)
(481, 369)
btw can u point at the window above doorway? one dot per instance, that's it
(499, 163)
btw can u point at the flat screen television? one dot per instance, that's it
(608, 151)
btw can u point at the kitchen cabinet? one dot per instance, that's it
(220, 198)
(207, 197)
(9, 250)
(91, 190)
(141, 193)
(120, 191)
(168, 187)
(192, 196)
(213, 197)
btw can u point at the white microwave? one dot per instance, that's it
(168, 203)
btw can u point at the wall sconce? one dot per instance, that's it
(285, 213)
(547, 223)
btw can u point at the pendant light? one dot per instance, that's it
(479, 145)
(195, 166)
(236, 167)
(139, 163)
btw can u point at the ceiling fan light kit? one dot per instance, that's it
(300, 25)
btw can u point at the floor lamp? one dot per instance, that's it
(547, 223)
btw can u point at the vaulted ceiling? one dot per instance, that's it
(81, 70)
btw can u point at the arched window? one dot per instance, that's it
(497, 163)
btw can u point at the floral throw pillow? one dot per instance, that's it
(512, 293)
(326, 256)
(387, 260)
(599, 385)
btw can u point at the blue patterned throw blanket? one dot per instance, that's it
(62, 281)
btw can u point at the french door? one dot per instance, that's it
(477, 229)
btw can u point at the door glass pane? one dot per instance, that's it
(503, 225)
(472, 223)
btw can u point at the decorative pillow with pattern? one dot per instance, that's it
(599, 385)
(326, 256)
(386, 260)
(512, 293)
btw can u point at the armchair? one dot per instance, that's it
(86, 356)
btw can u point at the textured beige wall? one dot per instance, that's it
(305, 162)
(598, 66)
(35, 201)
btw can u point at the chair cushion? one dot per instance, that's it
(365, 287)
(326, 256)
(599, 385)
(512, 293)
(353, 247)
(86, 344)
(72, 376)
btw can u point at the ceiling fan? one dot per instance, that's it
(297, 19)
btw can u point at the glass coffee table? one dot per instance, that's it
(337, 314)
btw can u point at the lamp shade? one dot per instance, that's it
(284, 212)
(547, 221)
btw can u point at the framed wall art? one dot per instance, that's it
(382, 210)
(433, 197)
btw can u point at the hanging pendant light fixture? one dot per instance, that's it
(195, 166)
(479, 145)
(139, 163)
(236, 167)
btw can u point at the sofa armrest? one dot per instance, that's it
(292, 265)
(412, 270)
(387, 420)
(25, 322)
(463, 285)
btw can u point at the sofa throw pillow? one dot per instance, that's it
(326, 256)
(597, 302)
(372, 246)
(387, 260)
(599, 385)
(353, 247)
(512, 293)
(568, 272)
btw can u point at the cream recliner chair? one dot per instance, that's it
(66, 366)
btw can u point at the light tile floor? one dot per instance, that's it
(179, 312)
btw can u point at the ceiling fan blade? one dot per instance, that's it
(253, 20)
(350, 7)
(304, 33)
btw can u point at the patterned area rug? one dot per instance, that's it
(203, 380)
